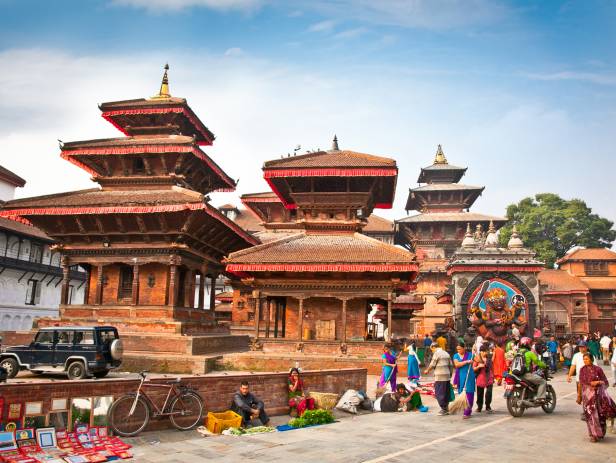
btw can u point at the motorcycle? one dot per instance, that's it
(520, 394)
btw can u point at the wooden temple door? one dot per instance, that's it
(125, 288)
(280, 317)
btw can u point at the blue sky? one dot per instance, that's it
(523, 93)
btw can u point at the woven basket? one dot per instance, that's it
(324, 400)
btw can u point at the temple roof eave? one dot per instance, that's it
(453, 217)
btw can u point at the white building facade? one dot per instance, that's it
(30, 271)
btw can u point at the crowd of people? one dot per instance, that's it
(471, 366)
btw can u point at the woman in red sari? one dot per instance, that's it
(297, 397)
(592, 394)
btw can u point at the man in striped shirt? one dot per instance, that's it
(443, 368)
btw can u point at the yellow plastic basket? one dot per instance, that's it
(218, 422)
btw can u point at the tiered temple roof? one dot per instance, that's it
(154, 183)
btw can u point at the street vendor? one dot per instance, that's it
(248, 406)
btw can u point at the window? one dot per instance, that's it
(36, 253)
(84, 337)
(44, 337)
(33, 293)
(596, 267)
(71, 289)
(107, 335)
(125, 290)
(65, 337)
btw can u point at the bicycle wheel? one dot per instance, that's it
(122, 422)
(186, 410)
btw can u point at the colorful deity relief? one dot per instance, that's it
(496, 306)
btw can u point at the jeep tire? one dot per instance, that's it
(76, 370)
(11, 366)
(116, 349)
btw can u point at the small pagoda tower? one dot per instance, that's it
(437, 231)
(147, 235)
(321, 280)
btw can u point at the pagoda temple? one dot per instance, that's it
(437, 231)
(147, 236)
(313, 288)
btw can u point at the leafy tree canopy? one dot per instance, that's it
(551, 226)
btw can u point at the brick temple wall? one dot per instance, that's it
(217, 391)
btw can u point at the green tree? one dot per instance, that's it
(551, 226)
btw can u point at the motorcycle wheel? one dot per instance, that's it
(514, 403)
(550, 400)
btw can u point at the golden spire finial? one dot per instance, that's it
(440, 156)
(164, 86)
(335, 144)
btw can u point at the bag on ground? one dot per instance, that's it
(349, 401)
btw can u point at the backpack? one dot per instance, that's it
(518, 365)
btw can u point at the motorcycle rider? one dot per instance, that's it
(531, 359)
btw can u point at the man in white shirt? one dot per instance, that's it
(605, 342)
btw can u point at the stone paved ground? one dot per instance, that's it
(402, 437)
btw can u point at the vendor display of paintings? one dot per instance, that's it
(46, 445)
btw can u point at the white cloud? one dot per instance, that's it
(351, 33)
(592, 77)
(323, 26)
(429, 14)
(235, 51)
(260, 110)
(176, 5)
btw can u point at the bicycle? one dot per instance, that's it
(130, 414)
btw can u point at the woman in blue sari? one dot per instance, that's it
(464, 377)
(412, 371)
(390, 369)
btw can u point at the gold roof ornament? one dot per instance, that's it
(164, 86)
(440, 156)
(335, 144)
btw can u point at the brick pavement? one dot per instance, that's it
(402, 437)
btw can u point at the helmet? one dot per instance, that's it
(525, 341)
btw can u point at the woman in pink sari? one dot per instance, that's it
(592, 394)
(297, 397)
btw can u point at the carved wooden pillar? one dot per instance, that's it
(300, 319)
(172, 289)
(389, 308)
(201, 289)
(257, 299)
(65, 281)
(135, 293)
(188, 286)
(268, 314)
(344, 319)
(99, 285)
(213, 292)
(86, 291)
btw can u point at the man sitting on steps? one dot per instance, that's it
(248, 406)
